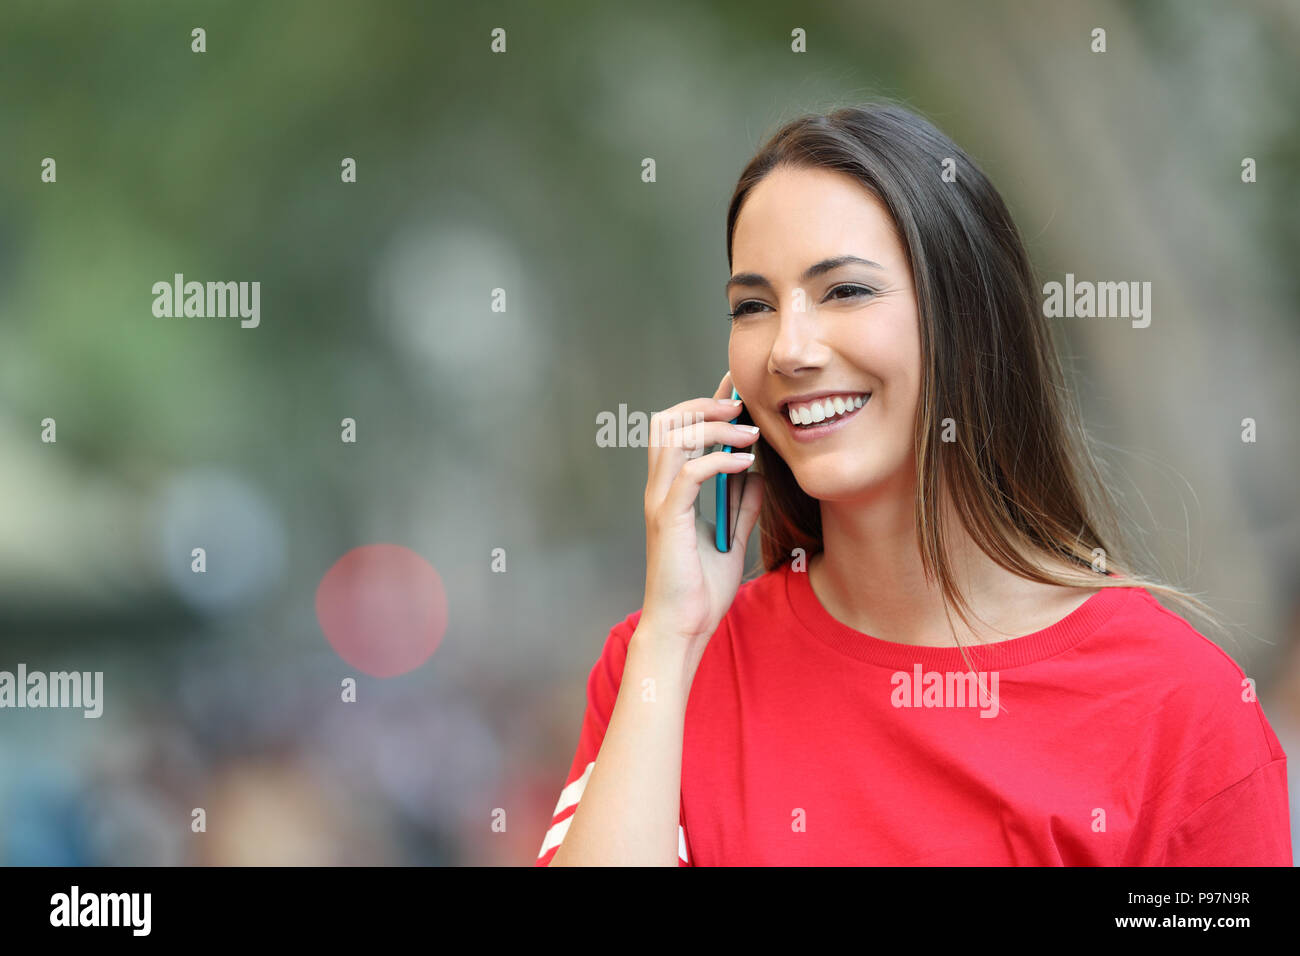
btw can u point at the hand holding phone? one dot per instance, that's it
(689, 582)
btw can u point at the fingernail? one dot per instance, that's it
(733, 401)
(752, 429)
(746, 455)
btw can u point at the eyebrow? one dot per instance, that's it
(812, 272)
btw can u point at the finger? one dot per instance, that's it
(666, 453)
(686, 486)
(702, 435)
(695, 410)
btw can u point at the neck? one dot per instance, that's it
(869, 576)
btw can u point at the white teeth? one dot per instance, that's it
(822, 409)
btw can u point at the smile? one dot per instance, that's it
(809, 420)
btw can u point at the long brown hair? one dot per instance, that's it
(1016, 461)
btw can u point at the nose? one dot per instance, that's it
(798, 343)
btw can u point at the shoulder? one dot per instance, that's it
(1201, 745)
(1189, 657)
(1194, 691)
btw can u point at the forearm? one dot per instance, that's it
(629, 812)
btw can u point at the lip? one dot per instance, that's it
(813, 432)
(824, 393)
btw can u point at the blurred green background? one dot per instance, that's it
(476, 429)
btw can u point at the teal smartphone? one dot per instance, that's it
(727, 493)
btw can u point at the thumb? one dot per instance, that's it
(750, 504)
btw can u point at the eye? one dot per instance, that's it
(743, 308)
(854, 290)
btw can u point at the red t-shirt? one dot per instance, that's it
(1117, 736)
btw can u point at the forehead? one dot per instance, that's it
(794, 217)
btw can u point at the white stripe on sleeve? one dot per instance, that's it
(571, 794)
(568, 797)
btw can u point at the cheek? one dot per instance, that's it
(889, 347)
(747, 359)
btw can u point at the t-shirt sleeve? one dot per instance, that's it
(1248, 824)
(1213, 772)
(602, 692)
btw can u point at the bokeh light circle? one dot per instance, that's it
(383, 609)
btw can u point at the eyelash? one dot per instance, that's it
(862, 289)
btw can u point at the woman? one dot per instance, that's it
(918, 455)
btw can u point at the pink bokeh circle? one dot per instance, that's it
(383, 609)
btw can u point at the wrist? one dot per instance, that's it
(669, 659)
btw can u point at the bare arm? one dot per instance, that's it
(628, 814)
(630, 808)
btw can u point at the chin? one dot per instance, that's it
(827, 481)
(845, 480)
